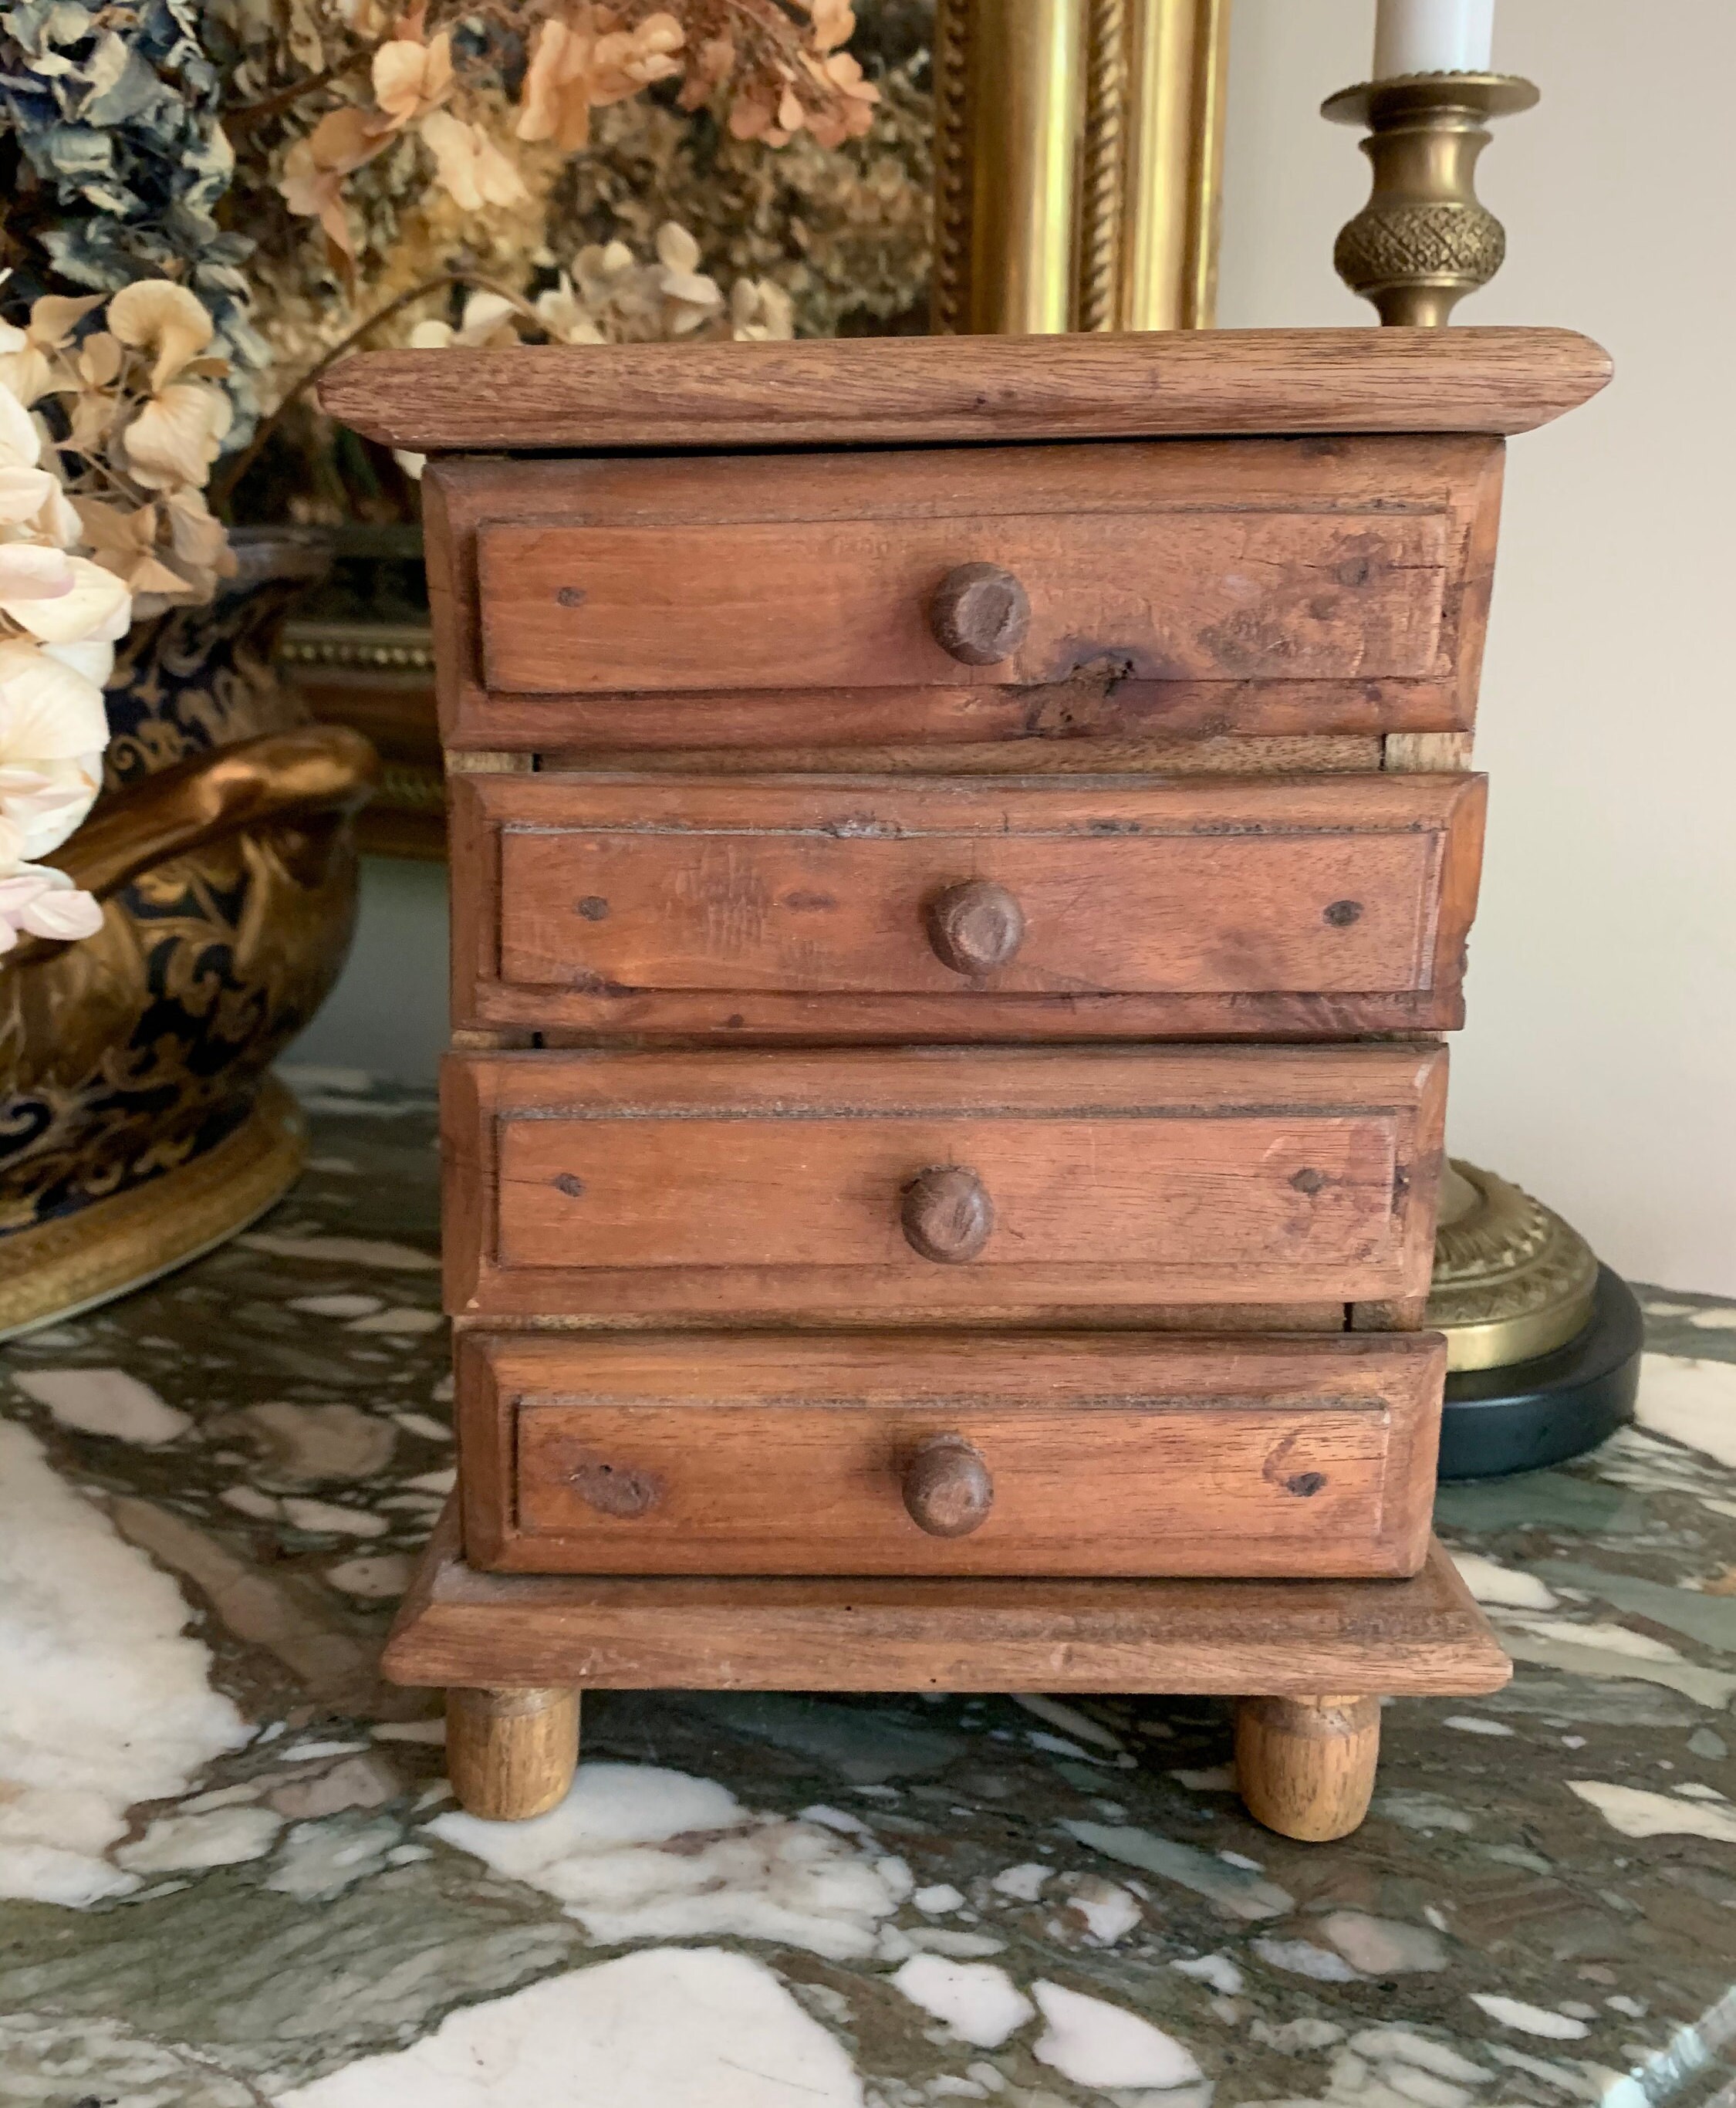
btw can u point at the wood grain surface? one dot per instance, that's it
(1422, 1636)
(845, 392)
(510, 1754)
(848, 604)
(755, 1188)
(748, 1329)
(740, 908)
(1106, 1454)
(729, 601)
(1305, 1767)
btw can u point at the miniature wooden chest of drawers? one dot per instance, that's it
(961, 853)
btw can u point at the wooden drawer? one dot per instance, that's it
(913, 1185)
(874, 1453)
(958, 910)
(1168, 588)
(782, 604)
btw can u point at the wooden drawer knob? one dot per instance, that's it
(975, 927)
(947, 1214)
(947, 1489)
(980, 614)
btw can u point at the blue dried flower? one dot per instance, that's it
(115, 113)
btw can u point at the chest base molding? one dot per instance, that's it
(1306, 1661)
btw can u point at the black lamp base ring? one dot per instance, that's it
(1542, 1412)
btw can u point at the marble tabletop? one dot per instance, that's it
(233, 1874)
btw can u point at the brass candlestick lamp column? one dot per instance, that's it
(1423, 240)
(1543, 1343)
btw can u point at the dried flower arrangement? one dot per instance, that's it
(141, 139)
(844, 232)
(610, 296)
(109, 426)
(777, 62)
(114, 164)
(435, 155)
(432, 154)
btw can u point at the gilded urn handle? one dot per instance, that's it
(316, 773)
(281, 776)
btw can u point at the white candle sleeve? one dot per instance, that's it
(1433, 36)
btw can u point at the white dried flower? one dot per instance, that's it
(53, 728)
(37, 901)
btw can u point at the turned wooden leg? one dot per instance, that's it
(1305, 1767)
(511, 1754)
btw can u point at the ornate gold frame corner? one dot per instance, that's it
(1078, 156)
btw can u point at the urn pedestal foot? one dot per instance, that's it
(71, 1263)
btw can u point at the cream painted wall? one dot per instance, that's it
(1600, 1065)
(1600, 1069)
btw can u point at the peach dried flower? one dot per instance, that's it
(177, 435)
(412, 77)
(471, 167)
(153, 315)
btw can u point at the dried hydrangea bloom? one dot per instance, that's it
(611, 295)
(117, 114)
(759, 309)
(37, 901)
(473, 168)
(411, 77)
(53, 729)
(782, 65)
(176, 436)
(576, 65)
(157, 317)
(488, 319)
(54, 606)
(26, 370)
(315, 169)
(125, 542)
(47, 592)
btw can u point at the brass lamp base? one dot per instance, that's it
(1552, 1407)
(73, 1262)
(1543, 1345)
(1512, 1280)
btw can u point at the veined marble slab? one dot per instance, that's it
(235, 1875)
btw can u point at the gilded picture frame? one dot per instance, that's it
(1078, 153)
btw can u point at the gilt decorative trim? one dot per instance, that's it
(1511, 1281)
(57, 1268)
(1078, 155)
